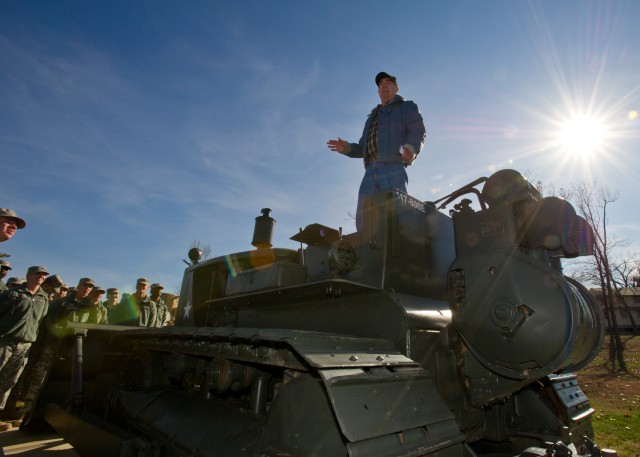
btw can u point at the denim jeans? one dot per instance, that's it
(378, 177)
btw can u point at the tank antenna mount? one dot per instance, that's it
(195, 255)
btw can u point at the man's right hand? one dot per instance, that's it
(338, 145)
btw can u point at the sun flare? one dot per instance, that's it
(582, 136)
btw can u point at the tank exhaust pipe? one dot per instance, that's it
(263, 231)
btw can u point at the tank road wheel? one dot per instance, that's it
(223, 375)
(143, 369)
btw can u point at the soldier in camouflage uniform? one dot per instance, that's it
(70, 308)
(111, 305)
(51, 285)
(21, 311)
(97, 312)
(14, 283)
(9, 224)
(163, 313)
(61, 292)
(5, 267)
(141, 310)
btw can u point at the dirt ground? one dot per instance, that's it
(616, 391)
(615, 396)
(21, 444)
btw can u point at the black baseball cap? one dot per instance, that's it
(382, 75)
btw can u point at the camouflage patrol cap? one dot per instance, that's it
(64, 287)
(37, 269)
(5, 265)
(156, 285)
(11, 214)
(98, 289)
(16, 281)
(112, 290)
(54, 280)
(87, 281)
(142, 281)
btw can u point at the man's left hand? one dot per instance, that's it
(407, 156)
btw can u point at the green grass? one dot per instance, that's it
(618, 431)
(615, 396)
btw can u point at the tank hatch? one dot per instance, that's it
(317, 235)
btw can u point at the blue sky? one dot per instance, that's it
(130, 129)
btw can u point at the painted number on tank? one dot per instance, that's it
(410, 201)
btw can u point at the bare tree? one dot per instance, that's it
(626, 270)
(592, 203)
(204, 248)
(635, 279)
(177, 288)
(205, 251)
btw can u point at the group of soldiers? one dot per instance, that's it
(43, 300)
(83, 303)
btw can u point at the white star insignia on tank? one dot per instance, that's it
(187, 310)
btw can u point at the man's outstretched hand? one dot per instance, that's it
(338, 145)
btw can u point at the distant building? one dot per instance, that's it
(629, 296)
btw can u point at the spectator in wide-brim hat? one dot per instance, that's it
(9, 223)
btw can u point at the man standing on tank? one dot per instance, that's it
(392, 138)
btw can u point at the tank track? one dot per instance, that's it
(355, 394)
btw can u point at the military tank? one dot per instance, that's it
(424, 334)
